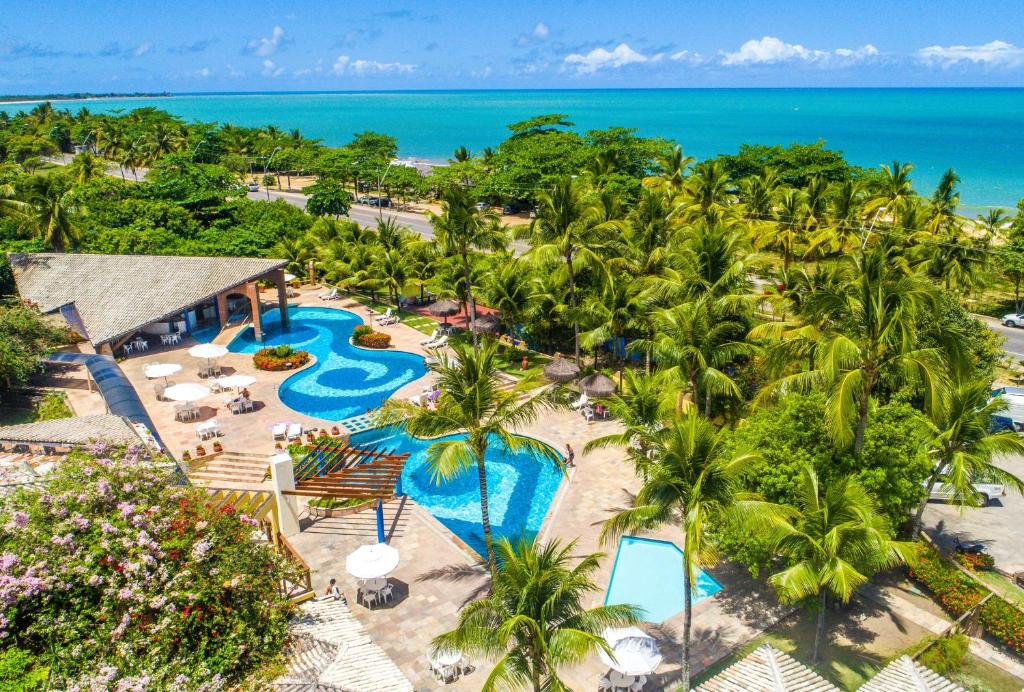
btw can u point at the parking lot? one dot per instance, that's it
(1000, 526)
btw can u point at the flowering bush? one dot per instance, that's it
(975, 561)
(365, 336)
(118, 578)
(1005, 622)
(955, 591)
(279, 358)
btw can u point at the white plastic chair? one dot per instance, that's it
(385, 316)
(588, 414)
(294, 431)
(280, 431)
(438, 343)
(330, 295)
(433, 335)
(394, 319)
(581, 402)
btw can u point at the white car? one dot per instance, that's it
(1013, 320)
(254, 186)
(987, 491)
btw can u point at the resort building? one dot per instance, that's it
(108, 299)
(64, 434)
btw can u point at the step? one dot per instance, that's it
(229, 464)
(234, 473)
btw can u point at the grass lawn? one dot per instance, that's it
(1002, 586)
(13, 415)
(977, 674)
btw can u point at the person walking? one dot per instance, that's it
(570, 456)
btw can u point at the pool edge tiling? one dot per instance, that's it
(345, 380)
(659, 589)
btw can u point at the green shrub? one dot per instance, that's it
(1005, 622)
(946, 655)
(269, 359)
(975, 562)
(360, 331)
(374, 340)
(283, 351)
(53, 405)
(954, 590)
(335, 502)
(20, 671)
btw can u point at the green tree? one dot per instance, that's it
(834, 540)
(25, 337)
(53, 211)
(534, 621)
(328, 198)
(692, 481)
(473, 401)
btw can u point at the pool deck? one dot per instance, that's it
(436, 574)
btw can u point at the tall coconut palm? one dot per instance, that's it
(835, 539)
(690, 480)
(52, 211)
(571, 226)
(619, 309)
(868, 327)
(673, 167)
(297, 252)
(507, 288)
(693, 342)
(790, 226)
(944, 202)
(473, 402)
(845, 218)
(534, 621)
(85, 168)
(642, 404)
(895, 188)
(707, 192)
(461, 228)
(992, 222)
(963, 446)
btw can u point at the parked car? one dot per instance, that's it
(987, 491)
(515, 207)
(480, 206)
(363, 199)
(1014, 320)
(254, 186)
(379, 201)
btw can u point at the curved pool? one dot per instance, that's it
(346, 380)
(520, 487)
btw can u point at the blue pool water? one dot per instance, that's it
(649, 574)
(520, 487)
(345, 380)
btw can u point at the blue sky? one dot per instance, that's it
(184, 46)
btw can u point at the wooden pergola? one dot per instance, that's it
(333, 469)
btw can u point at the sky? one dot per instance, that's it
(187, 46)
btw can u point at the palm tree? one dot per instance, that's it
(691, 480)
(296, 251)
(790, 225)
(706, 193)
(507, 288)
(571, 227)
(52, 210)
(835, 540)
(673, 167)
(461, 227)
(895, 188)
(693, 342)
(992, 222)
(945, 200)
(86, 167)
(534, 620)
(618, 310)
(963, 444)
(642, 404)
(868, 327)
(473, 402)
(461, 155)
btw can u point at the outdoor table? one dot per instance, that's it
(621, 679)
(447, 657)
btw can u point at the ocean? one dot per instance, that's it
(978, 132)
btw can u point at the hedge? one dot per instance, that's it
(954, 590)
(1005, 622)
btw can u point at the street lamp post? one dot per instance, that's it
(380, 184)
(195, 149)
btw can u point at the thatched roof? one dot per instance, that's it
(489, 324)
(115, 295)
(597, 385)
(561, 370)
(444, 308)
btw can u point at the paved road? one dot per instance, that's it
(1014, 336)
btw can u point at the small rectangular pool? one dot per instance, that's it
(649, 574)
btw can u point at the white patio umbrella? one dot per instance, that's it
(163, 370)
(236, 381)
(187, 392)
(636, 652)
(207, 351)
(289, 277)
(372, 561)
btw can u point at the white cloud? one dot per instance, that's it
(234, 71)
(271, 70)
(204, 72)
(267, 46)
(142, 49)
(599, 59)
(997, 53)
(688, 57)
(346, 65)
(770, 50)
(541, 30)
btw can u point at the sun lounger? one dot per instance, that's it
(581, 402)
(433, 335)
(394, 319)
(280, 431)
(385, 316)
(437, 343)
(294, 431)
(330, 295)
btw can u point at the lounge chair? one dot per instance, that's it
(588, 414)
(331, 294)
(386, 316)
(433, 335)
(294, 431)
(208, 429)
(437, 343)
(280, 431)
(581, 402)
(394, 319)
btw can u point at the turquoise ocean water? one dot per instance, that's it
(979, 132)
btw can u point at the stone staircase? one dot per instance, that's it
(230, 469)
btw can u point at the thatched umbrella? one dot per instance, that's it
(597, 385)
(444, 308)
(487, 324)
(561, 370)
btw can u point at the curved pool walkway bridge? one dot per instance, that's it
(334, 469)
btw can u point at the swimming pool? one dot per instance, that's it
(649, 574)
(346, 380)
(520, 487)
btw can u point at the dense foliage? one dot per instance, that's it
(114, 575)
(279, 358)
(954, 590)
(366, 336)
(25, 337)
